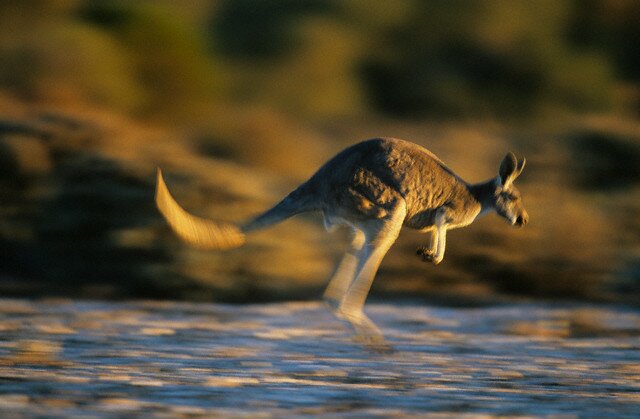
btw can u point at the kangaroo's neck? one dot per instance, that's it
(483, 192)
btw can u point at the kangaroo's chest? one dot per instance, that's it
(464, 218)
(426, 219)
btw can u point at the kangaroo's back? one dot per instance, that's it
(366, 178)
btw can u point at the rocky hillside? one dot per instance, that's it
(77, 214)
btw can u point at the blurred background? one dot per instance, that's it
(239, 101)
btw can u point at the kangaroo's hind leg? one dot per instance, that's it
(379, 234)
(345, 272)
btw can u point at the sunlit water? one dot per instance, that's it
(67, 358)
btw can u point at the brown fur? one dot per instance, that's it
(376, 187)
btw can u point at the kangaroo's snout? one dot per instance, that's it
(522, 220)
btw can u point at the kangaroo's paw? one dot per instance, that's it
(426, 254)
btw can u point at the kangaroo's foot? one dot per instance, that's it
(333, 304)
(367, 333)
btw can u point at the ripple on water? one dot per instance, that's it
(79, 358)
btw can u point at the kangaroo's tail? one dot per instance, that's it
(300, 200)
(196, 231)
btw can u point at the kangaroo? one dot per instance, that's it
(375, 187)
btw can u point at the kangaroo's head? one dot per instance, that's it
(507, 199)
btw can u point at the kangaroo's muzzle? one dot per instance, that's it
(522, 220)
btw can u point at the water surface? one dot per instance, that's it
(78, 358)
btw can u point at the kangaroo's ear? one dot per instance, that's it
(509, 169)
(521, 164)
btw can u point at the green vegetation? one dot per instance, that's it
(327, 58)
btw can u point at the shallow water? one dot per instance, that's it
(67, 358)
